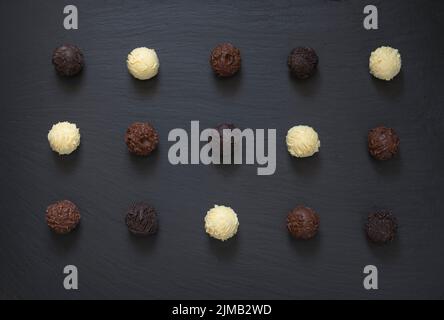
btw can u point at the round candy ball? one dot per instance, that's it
(63, 216)
(302, 62)
(221, 222)
(143, 63)
(385, 63)
(303, 223)
(68, 60)
(141, 138)
(226, 138)
(225, 59)
(381, 227)
(383, 143)
(302, 141)
(64, 137)
(141, 219)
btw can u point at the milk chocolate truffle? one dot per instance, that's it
(141, 219)
(62, 216)
(68, 60)
(302, 62)
(381, 227)
(383, 143)
(141, 138)
(303, 223)
(225, 59)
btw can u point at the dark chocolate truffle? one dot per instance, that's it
(141, 219)
(383, 143)
(141, 138)
(381, 227)
(225, 59)
(62, 216)
(225, 137)
(302, 62)
(68, 60)
(303, 222)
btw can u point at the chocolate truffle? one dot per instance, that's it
(381, 227)
(141, 138)
(141, 219)
(225, 137)
(68, 60)
(303, 223)
(302, 141)
(143, 63)
(302, 62)
(64, 138)
(225, 59)
(62, 216)
(383, 143)
(385, 63)
(221, 222)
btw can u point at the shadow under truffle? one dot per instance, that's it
(67, 163)
(225, 250)
(229, 86)
(389, 89)
(145, 87)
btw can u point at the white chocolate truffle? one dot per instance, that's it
(143, 63)
(221, 222)
(302, 141)
(385, 63)
(64, 137)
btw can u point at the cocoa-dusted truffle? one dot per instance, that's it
(62, 216)
(383, 143)
(141, 138)
(381, 227)
(303, 222)
(225, 59)
(68, 60)
(302, 62)
(141, 219)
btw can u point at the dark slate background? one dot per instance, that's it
(342, 182)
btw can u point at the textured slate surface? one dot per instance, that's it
(342, 183)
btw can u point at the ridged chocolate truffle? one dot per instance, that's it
(62, 216)
(225, 59)
(303, 222)
(141, 219)
(141, 138)
(302, 62)
(383, 143)
(68, 60)
(381, 227)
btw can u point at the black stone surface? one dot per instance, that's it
(342, 101)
